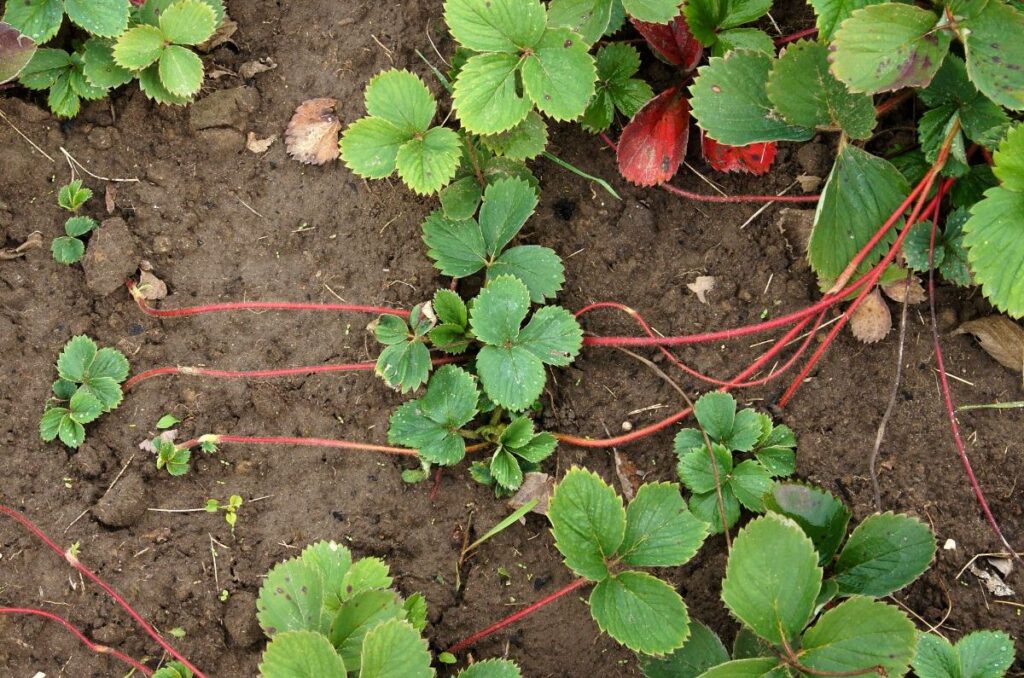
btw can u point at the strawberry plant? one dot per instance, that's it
(69, 248)
(121, 41)
(719, 485)
(88, 386)
(976, 655)
(602, 541)
(329, 615)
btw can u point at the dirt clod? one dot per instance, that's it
(240, 620)
(110, 257)
(124, 504)
(225, 108)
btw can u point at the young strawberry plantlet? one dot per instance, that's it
(333, 616)
(68, 248)
(88, 386)
(728, 485)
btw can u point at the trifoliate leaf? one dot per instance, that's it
(949, 257)
(706, 507)
(394, 648)
(67, 250)
(38, 19)
(150, 12)
(427, 163)
(370, 147)
(707, 17)
(983, 121)
(181, 70)
(332, 561)
(404, 365)
(587, 521)
(505, 470)
(540, 268)
(860, 634)
(695, 468)
(807, 94)
(153, 88)
(772, 578)
(831, 13)
(553, 335)
(291, 599)
(559, 75)
(138, 47)
(982, 654)
(525, 141)
(486, 95)
(588, 18)
(702, 650)
(861, 193)
(821, 516)
(491, 668)
(640, 611)
(45, 67)
(995, 248)
(994, 52)
(415, 607)
(402, 99)
(660, 530)
(729, 98)
(1009, 160)
(357, 617)
(886, 47)
(300, 654)
(507, 204)
(103, 18)
(751, 39)
(883, 554)
(495, 26)
(99, 66)
(750, 482)
(188, 22)
(173, 670)
(430, 424)
(175, 459)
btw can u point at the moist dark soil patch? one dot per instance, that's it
(322, 233)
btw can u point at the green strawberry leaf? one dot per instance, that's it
(391, 329)
(460, 198)
(660, 530)
(355, 619)
(559, 74)
(539, 268)
(486, 95)
(950, 257)
(995, 248)
(772, 578)
(63, 100)
(72, 195)
(716, 413)
(332, 561)
(428, 162)
(525, 141)
(67, 250)
(76, 226)
(457, 247)
(994, 52)
(511, 377)
(450, 308)
(695, 468)
(173, 670)
(751, 39)
(587, 521)
(652, 11)
(491, 668)
(730, 101)
(153, 87)
(50, 424)
(705, 18)
(806, 94)
(507, 204)
(932, 130)
(497, 25)
(103, 18)
(99, 66)
(779, 462)
(181, 70)
(45, 67)
(757, 667)
(64, 389)
(499, 310)
(369, 147)
(822, 517)
(366, 574)
(553, 335)
(883, 554)
(702, 651)
(395, 648)
(982, 654)
(300, 654)
(402, 99)
(404, 365)
(640, 611)
(616, 88)
(85, 407)
(861, 192)
(175, 459)
(291, 599)
(983, 121)
(188, 22)
(886, 47)
(518, 433)
(430, 424)
(150, 12)
(831, 13)
(706, 508)
(750, 482)
(1009, 160)
(537, 449)
(138, 47)
(505, 470)
(589, 18)
(860, 634)
(38, 19)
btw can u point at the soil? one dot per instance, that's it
(218, 223)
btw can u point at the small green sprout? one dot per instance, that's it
(171, 457)
(69, 248)
(230, 509)
(73, 195)
(167, 421)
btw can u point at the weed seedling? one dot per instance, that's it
(69, 248)
(230, 509)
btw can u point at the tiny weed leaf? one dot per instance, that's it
(702, 650)
(360, 614)
(394, 648)
(707, 17)
(67, 250)
(887, 47)
(640, 611)
(821, 516)
(660, 530)
(173, 670)
(415, 607)
(653, 143)
(671, 42)
(862, 191)
(883, 554)
(994, 54)
(291, 599)
(860, 634)
(807, 95)
(73, 195)
(167, 421)
(617, 89)
(430, 424)
(299, 654)
(730, 101)
(772, 578)
(982, 654)
(76, 226)
(525, 141)
(332, 561)
(588, 522)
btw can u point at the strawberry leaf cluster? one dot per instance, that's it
(69, 248)
(329, 615)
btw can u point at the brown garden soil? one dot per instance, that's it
(322, 233)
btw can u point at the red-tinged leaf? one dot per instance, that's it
(672, 42)
(752, 159)
(653, 144)
(16, 50)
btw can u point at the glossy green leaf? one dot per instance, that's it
(332, 561)
(660, 530)
(821, 516)
(982, 654)
(99, 66)
(366, 574)
(559, 75)
(38, 19)
(430, 424)
(511, 377)
(84, 407)
(702, 650)
(772, 578)
(640, 611)
(405, 365)
(696, 471)
(103, 18)
(181, 70)
(858, 635)
(750, 482)
(355, 619)
(460, 198)
(883, 554)
(499, 310)
(756, 667)
(173, 670)
(752, 39)
(369, 147)
(705, 507)
(67, 250)
(154, 89)
(426, 164)
(706, 18)
(995, 52)
(402, 99)
(497, 25)
(457, 247)
(49, 424)
(291, 599)
(450, 308)
(300, 654)
(588, 522)
(588, 18)
(486, 94)
(507, 204)
(188, 22)
(553, 335)
(830, 13)
(539, 268)
(138, 47)
(77, 226)
(394, 649)
(45, 67)
(525, 141)
(505, 470)
(995, 248)
(491, 668)
(716, 412)
(1009, 160)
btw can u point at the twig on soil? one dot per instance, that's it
(121, 472)
(248, 206)
(762, 208)
(1014, 405)
(897, 379)
(23, 136)
(71, 159)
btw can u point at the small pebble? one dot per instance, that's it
(627, 426)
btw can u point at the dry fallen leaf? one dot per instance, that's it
(701, 286)
(150, 286)
(872, 320)
(914, 293)
(257, 145)
(1000, 337)
(312, 134)
(110, 198)
(167, 436)
(808, 182)
(629, 478)
(535, 486)
(1003, 565)
(33, 241)
(992, 581)
(223, 34)
(252, 68)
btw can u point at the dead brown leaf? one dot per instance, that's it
(110, 197)
(701, 286)
(914, 293)
(808, 182)
(872, 319)
(537, 486)
(150, 286)
(257, 145)
(167, 436)
(33, 241)
(629, 478)
(312, 134)
(1000, 337)
(223, 34)
(253, 68)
